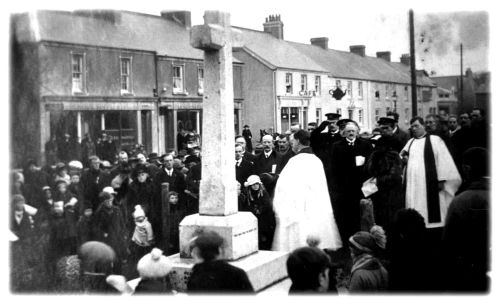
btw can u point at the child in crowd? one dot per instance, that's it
(143, 238)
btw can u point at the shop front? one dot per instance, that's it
(128, 123)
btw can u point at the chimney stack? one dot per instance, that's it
(405, 59)
(322, 42)
(182, 18)
(274, 26)
(358, 49)
(384, 55)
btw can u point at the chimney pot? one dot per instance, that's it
(358, 49)
(274, 26)
(405, 59)
(322, 42)
(384, 55)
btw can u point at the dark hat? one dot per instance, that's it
(60, 166)
(153, 156)
(386, 120)
(140, 169)
(332, 116)
(125, 169)
(61, 182)
(363, 241)
(341, 123)
(104, 196)
(246, 126)
(207, 240)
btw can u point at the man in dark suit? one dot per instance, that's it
(177, 182)
(269, 161)
(347, 176)
(401, 135)
(284, 149)
(248, 156)
(244, 168)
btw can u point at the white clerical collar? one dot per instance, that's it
(19, 216)
(421, 136)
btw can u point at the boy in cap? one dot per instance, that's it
(210, 273)
(367, 272)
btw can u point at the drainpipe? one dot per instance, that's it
(158, 100)
(275, 103)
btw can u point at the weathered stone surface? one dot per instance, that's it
(239, 232)
(218, 181)
(264, 269)
(207, 37)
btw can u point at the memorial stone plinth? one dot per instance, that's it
(218, 205)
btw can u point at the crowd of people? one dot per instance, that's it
(387, 211)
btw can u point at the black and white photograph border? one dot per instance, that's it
(380, 25)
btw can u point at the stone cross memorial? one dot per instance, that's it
(218, 206)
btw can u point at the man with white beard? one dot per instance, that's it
(304, 215)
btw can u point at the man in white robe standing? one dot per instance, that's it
(304, 214)
(431, 177)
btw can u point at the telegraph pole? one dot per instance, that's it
(414, 104)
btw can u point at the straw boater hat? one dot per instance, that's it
(154, 265)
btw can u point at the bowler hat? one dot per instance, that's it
(332, 116)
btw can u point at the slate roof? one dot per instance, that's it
(276, 52)
(130, 31)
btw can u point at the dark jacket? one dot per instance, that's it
(93, 182)
(264, 165)
(153, 286)
(110, 229)
(140, 194)
(249, 157)
(243, 171)
(218, 276)
(466, 238)
(372, 277)
(262, 208)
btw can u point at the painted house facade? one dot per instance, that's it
(134, 76)
(287, 82)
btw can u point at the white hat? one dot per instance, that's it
(75, 164)
(138, 211)
(252, 179)
(154, 265)
(109, 190)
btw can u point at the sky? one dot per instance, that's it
(379, 25)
